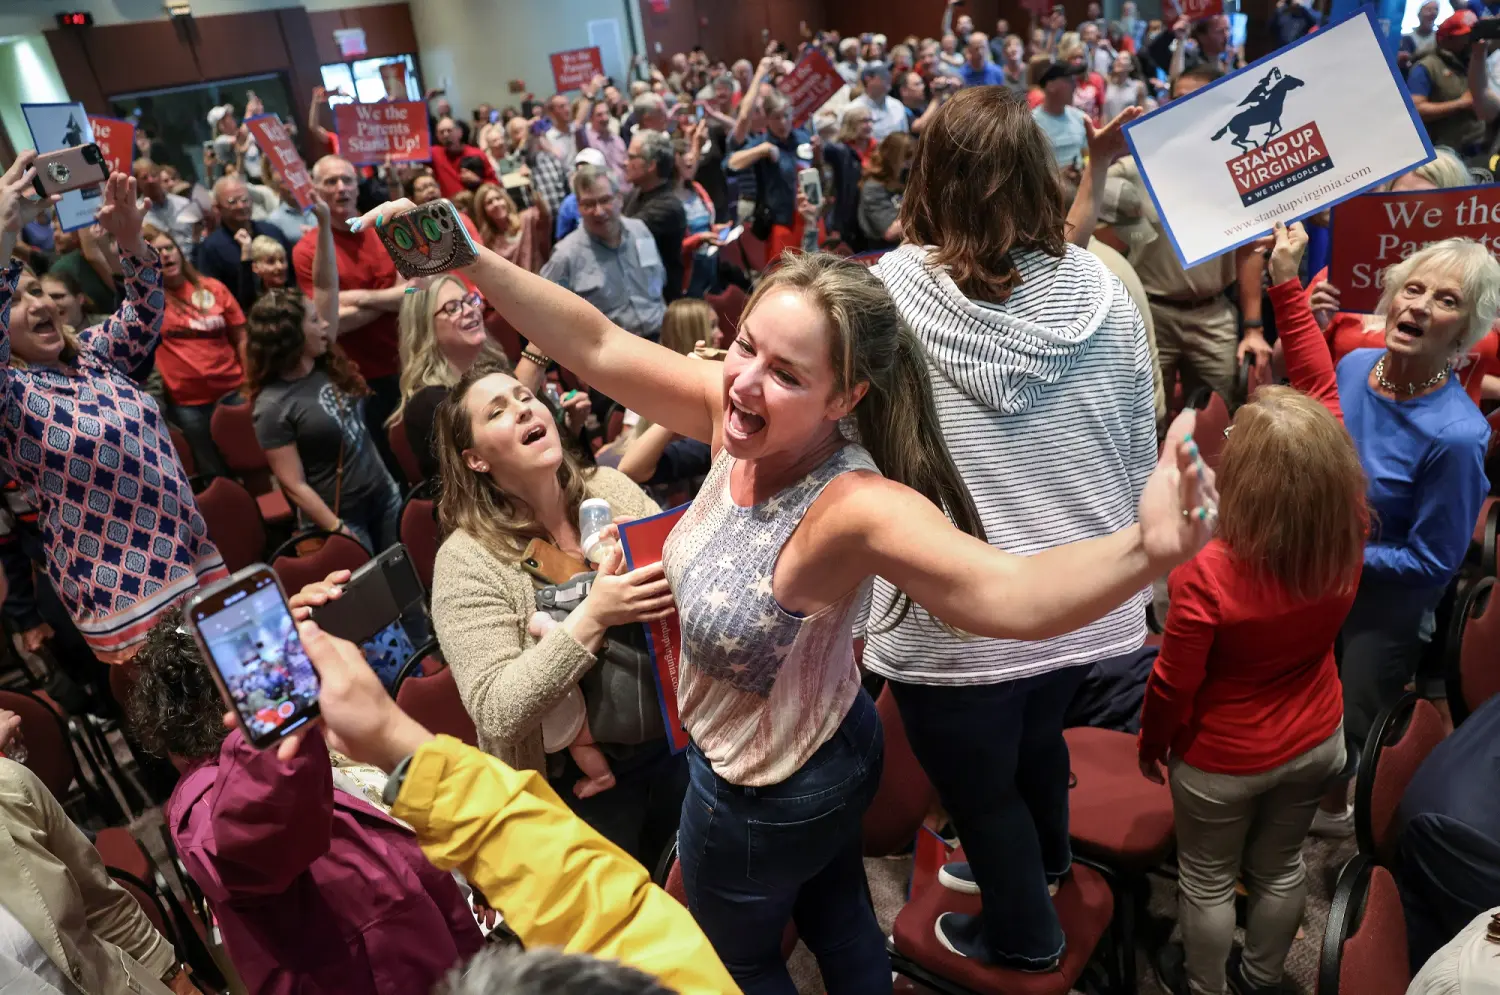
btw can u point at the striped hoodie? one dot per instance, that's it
(1046, 405)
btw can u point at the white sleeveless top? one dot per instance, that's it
(759, 688)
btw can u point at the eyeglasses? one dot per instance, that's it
(451, 309)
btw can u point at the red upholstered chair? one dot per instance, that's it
(1084, 906)
(339, 552)
(419, 533)
(1364, 946)
(49, 752)
(1402, 737)
(233, 430)
(184, 451)
(1213, 419)
(1473, 665)
(234, 522)
(1482, 550)
(728, 304)
(905, 795)
(406, 457)
(1119, 820)
(426, 691)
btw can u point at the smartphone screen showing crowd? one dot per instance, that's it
(383, 610)
(246, 632)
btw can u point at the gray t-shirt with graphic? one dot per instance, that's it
(314, 415)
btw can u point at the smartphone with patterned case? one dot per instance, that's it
(428, 240)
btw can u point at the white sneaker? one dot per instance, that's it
(1333, 827)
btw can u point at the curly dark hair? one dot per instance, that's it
(175, 706)
(274, 341)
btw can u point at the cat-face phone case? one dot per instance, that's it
(428, 240)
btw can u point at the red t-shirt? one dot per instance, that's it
(197, 358)
(363, 264)
(1349, 331)
(445, 168)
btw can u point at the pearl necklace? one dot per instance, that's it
(1412, 389)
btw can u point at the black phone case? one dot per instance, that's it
(378, 594)
(428, 240)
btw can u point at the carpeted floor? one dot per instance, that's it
(1324, 859)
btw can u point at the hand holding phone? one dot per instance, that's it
(244, 627)
(70, 169)
(422, 241)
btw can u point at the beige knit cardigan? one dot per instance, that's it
(480, 607)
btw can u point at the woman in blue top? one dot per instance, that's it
(1422, 443)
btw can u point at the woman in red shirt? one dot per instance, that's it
(202, 332)
(1245, 696)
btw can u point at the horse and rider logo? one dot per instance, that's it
(1282, 157)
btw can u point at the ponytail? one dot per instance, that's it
(897, 418)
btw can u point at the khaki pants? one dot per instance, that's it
(1256, 824)
(1198, 345)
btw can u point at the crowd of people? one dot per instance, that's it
(952, 424)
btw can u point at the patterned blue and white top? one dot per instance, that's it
(123, 537)
(760, 689)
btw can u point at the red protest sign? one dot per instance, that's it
(370, 132)
(1191, 8)
(572, 69)
(1377, 229)
(281, 152)
(116, 139)
(642, 542)
(809, 85)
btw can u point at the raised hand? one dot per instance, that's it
(1107, 143)
(1180, 505)
(121, 215)
(1324, 303)
(19, 205)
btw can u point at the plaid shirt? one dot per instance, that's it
(549, 176)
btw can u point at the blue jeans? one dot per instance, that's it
(375, 518)
(996, 755)
(196, 422)
(755, 858)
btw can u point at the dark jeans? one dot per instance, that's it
(1449, 873)
(375, 518)
(385, 397)
(196, 422)
(639, 814)
(1382, 645)
(996, 755)
(755, 858)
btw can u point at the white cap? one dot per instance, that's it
(216, 114)
(591, 157)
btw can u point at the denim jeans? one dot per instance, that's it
(1383, 642)
(639, 814)
(755, 858)
(996, 755)
(375, 518)
(196, 422)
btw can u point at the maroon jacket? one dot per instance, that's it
(315, 890)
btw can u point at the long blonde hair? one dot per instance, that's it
(897, 418)
(486, 228)
(1292, 494)
(422, 362)
(470, 501)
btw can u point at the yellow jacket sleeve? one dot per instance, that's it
(558, 882)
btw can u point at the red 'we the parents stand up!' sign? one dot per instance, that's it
(809, 85)
(1377, 229)
(369, 133)
(281, 152)
(1191, 8)
(116, 141)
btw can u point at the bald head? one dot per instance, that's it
(232, 198)
(337, 181)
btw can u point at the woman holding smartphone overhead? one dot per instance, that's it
(124, 539)
(771, 562)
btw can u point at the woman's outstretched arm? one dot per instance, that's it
(881, 527)
(683, 394)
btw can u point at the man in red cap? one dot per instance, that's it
(1439, 88)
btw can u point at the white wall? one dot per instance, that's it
(28, 75)
(476, 47)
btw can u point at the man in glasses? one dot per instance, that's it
(224, 253)
(611, 261)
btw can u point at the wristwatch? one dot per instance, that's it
(394, 782)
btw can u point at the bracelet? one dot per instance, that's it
(1254, 323)
(536, 357)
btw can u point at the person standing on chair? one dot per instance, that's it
(307, 400)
